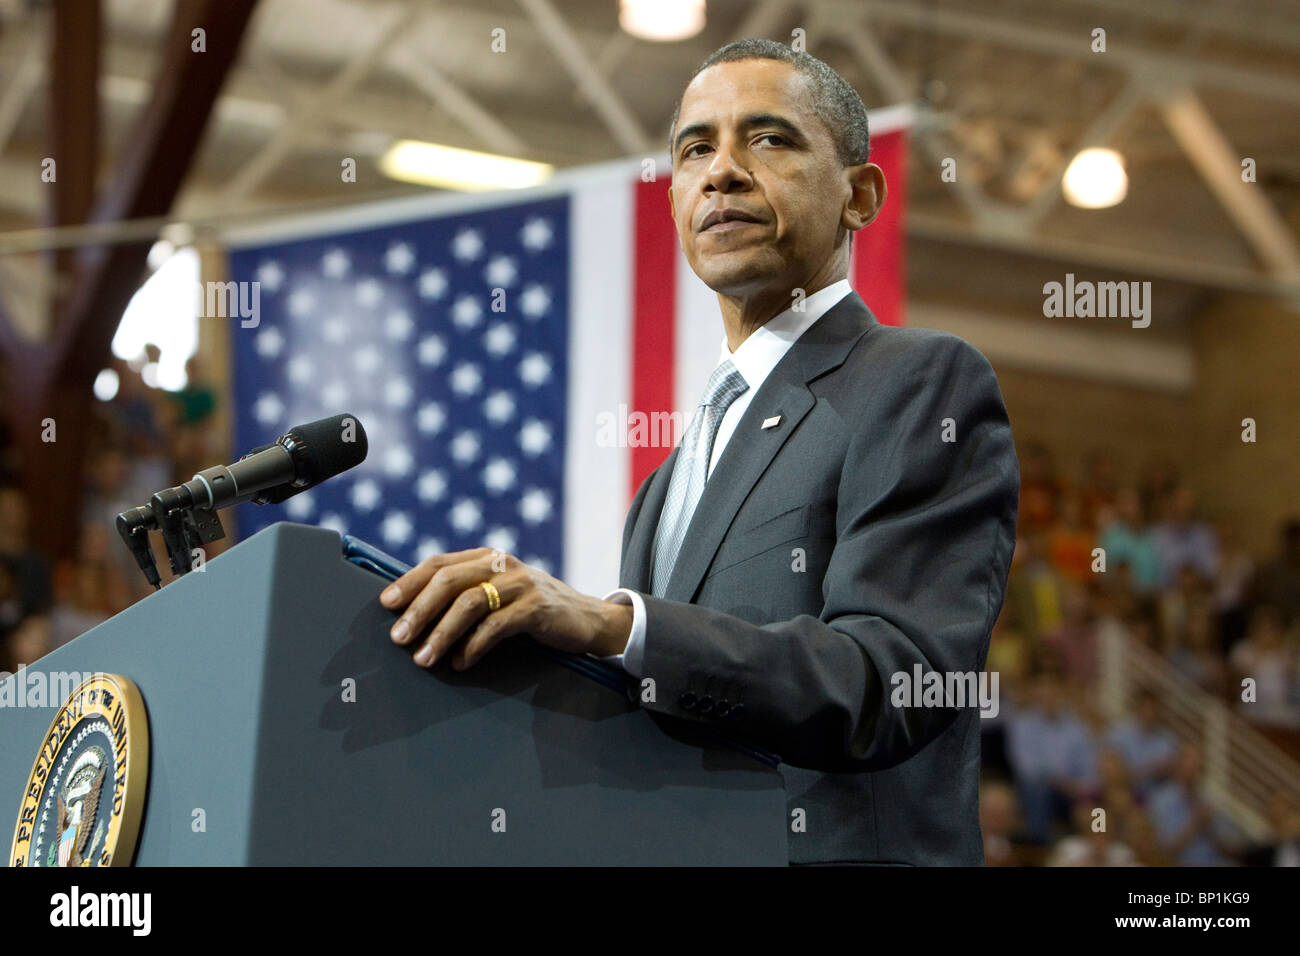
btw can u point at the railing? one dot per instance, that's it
(1243, 768)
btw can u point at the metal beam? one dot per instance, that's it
(274, 152)
(1000, 32)
(990, 214)
(471, 114)
(27, 77)
(1098, 133)
(1220, 166)
(609, 106)
(73, 126)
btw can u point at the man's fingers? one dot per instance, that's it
(400, 592)
(439, 590)
(512, 619)
(467, 608)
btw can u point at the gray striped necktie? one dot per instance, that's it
(691, 469)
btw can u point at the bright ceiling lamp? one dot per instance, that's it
(429, 164)
(1095, 179)
(661, 20)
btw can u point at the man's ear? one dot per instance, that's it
(672, 206)
(867, 182)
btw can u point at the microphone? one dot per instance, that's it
(186, 515)
(300, 459)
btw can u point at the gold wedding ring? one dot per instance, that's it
(494, 596)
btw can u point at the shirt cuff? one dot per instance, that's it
(630, 659)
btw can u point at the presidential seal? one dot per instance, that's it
(85, 794)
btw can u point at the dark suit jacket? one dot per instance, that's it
(846, 544)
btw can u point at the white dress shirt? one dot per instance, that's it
(754, 359)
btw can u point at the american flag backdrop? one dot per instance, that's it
(497, 348)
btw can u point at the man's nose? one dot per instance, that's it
(728, 169)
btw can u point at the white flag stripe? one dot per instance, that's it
(600, 357)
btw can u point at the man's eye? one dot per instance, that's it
(776, 136)
(687, 150)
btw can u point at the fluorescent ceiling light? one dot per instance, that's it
(661, 20)
(449, 168)
(1095, 179)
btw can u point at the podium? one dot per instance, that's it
(285, 728)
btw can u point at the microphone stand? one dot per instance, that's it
(184, 528)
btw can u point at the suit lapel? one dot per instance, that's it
(784, 392)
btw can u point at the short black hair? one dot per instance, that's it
(835, 102)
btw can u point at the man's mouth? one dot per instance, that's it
(721, 220)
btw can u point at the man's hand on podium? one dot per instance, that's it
(448, 609)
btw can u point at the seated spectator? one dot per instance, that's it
(1124, 536)
(1039, 488)
(1189, 596)
(1195, 654)
(1092, 843)
(998, 822)
(1279, 580)
(1264, 658)
(1190, 830)
(29, 567)
(1232, 587)
(1070, 541)
(1075, 641)
(1053, 756)
(1146, 746)
(1282, 845)
(1182, 540)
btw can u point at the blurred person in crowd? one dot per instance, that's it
(1143, 629)
(1147, 747)
(1190, 595)
(1070, 540)
(109, 494)
(1091, 843)
(1264, 657)
(1075, 640)
(1231, 587)
(1115, 788)
(1196, 656)
(30, 569)
(1034, 587)
(24, 638)
(1282, 845)
(89, 588)
(1127, 541)
(999, 820)
(1191, 831)
(1100, 487)
(1008, 657)
(1278, 583)
(1039, 488)
(144, 422)
(1156, 481)
(1053, 756)
(197, 444)
(1182, 540)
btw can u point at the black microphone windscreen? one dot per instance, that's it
(333, 445)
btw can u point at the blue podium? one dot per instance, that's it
(285, 728)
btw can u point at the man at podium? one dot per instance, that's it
(817, 566)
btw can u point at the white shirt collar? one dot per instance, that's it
(766, 346)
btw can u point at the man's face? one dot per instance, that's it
(748, 140)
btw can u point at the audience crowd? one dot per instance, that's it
(1104, 562)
